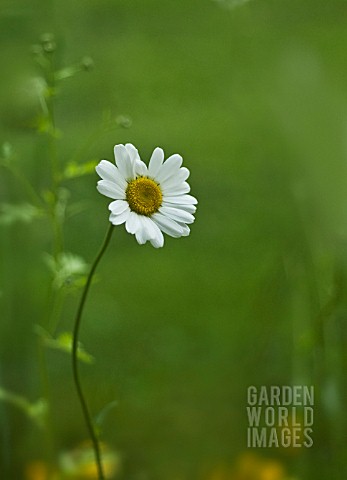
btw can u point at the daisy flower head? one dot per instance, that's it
(149, 200)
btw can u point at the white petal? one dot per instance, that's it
(181, 199)
(120, 180)
(184, 173)
(176, 179)
(173, 191)
(106, 170)
(150, 227)
(156, 161)
(132, 151)
(133, 223)
(124, 162)
(186, 208)
(111, 190)
(111, 173)
(177, 214)
(169, 167)
(186, 230)
(148, 230)
(119, 219)
(167, 225)
(141, 168)
(152, 232)
(158, 241)
(140, 233)
(118, 206)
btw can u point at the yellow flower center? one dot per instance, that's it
(144, 196)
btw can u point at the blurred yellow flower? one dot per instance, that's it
(80, 462)
(250, 466)
(38, 470)
(76, 464)
(254, 467)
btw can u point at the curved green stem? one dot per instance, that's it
(84, 406)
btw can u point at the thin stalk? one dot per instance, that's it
(77, 323)
(48, 107)
(48, 422)
(52, 131)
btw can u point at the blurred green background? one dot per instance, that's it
(254, 98)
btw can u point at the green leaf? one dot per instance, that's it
(63, 343)
(66, 72)
(69, 270)
(24, 213)
(101, 416)
(36, 411)
(73, 169)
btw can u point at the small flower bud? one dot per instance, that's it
(123, 121)
(87, 63)
(48, 42)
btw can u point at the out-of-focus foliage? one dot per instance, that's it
(36, 411)
(63, 342)
(68, 270)
(12, 213)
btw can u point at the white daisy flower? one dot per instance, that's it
(148, 200)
